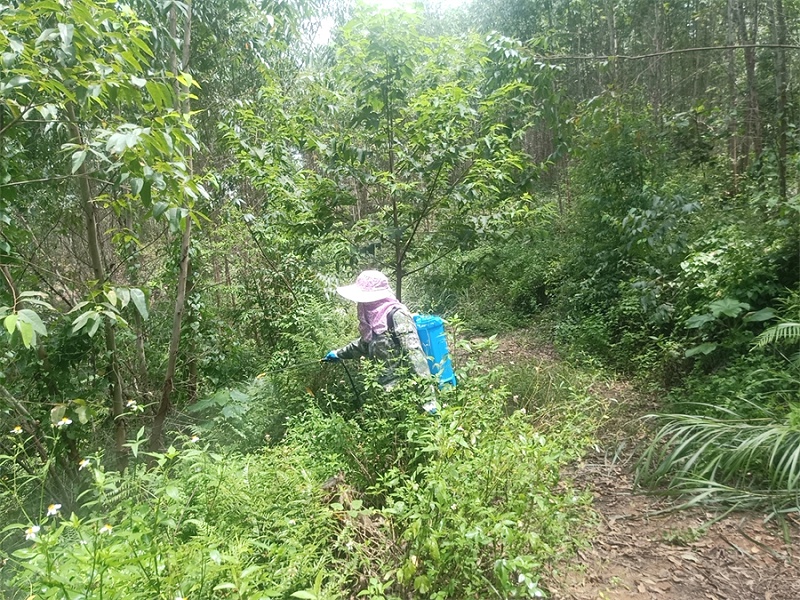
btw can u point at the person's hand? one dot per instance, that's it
(331, 357)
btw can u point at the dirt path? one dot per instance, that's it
(638, 552)
(639, 549)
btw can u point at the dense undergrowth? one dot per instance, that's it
(658, 267)
(373, 498)
(491, 184)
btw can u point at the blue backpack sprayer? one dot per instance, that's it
(434, 343)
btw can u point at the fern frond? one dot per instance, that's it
(788, 332)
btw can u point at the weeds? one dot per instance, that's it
(749, 461)
(468, 503)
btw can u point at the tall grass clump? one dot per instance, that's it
(751, 461)
(741, 451)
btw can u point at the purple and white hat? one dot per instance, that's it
(369, 287)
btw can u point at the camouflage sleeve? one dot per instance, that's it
(355, 349)
(407, 335)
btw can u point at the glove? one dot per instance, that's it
(431, 407)
(331, 357)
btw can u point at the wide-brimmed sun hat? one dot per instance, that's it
(369, 287)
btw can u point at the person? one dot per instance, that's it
(387, 329)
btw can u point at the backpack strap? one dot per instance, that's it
(390, 325)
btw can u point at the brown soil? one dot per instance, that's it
(641, 548)
(638, 552)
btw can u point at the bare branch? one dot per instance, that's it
(612, 57)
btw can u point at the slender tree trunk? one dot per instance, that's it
(183, 273)
(141, 357)
(398, 242)
(612, 38)
(752, 84)
(781, 76)
(657, 44)
(191, 350)
(98, 268)
(228, 282)
(191, 346)
(697, 56)
(173, 55)
(753, 109)
(733, 121)
(174, 342)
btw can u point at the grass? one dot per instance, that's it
(753, 462)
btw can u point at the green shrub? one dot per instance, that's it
(377, 499)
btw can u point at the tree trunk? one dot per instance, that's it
(174, 342)
(98, 268)
(183, 274)
(753, 108)
(612, 39)
(657, 44)
(733, 121)
(141, 357)
(398, 241)
(779, 36)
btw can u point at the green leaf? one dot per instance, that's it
(172, 491)
(765, 314)
(10, 322)
(159, 208)
(96, 320)
(249, 571)
(705, 348)
(31, 317)
(81, 320)
(66, 32)
(137, 183)
(140, 302)
(697, 321)
(157, 93)
(238, 396)
(12, 83)
(46, 36)
(77, 160)
(305, 595)
(83, 414)
(175, 217)
(727, 306)
(146, 194)
(79, 306)
(124, 295)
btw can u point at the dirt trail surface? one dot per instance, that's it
(639, 549)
